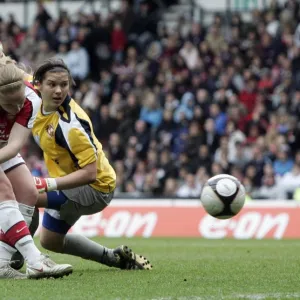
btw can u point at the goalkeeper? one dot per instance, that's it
(82, 180)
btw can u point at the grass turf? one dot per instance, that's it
(183, 269)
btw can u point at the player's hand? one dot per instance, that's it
(44, 185)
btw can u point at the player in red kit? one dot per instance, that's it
(19, 104)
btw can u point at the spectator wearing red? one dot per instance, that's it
(19, 35)
(266, 82)
(118, 40)
(248, 95)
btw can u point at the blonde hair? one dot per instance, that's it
(11, 76)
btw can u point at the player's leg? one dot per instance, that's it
(54, 237)
(56, 224)
(23, 186)
(89, 201)
(17, 260)
(10, 218)
(15, 235)
(78, 245)
(15, 232)
(26, 195)
(24, 190)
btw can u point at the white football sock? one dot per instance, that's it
(27, 212)
(6, 252)
(28, 249)
(16, 232)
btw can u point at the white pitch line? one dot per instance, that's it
(268, 295)
(261, 296)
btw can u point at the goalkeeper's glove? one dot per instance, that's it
(45, 184)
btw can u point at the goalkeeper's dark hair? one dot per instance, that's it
(52, 65)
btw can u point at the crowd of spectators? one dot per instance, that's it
(174, 107)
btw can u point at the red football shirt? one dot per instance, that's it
(24, 117)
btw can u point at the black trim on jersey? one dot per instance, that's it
(87, 128)
(61, 141)
(65, 108)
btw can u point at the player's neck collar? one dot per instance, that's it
(45, 113)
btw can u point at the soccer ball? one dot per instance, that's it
(223, 196)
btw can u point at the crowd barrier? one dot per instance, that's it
(187, 218)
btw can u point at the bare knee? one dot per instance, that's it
(32, 195)
(28, 195)
(23, 185)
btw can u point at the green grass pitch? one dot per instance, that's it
(183, 269)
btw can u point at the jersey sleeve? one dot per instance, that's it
(28, 113)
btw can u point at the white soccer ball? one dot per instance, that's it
(223, 196)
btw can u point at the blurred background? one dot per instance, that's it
(177, 91)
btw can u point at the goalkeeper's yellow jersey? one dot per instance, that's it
(67, 139)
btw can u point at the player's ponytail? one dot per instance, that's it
(11, 76)
(52, 65)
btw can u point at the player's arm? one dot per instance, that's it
(22, 127)
(84, 150)
(86, 175)
(17, 138)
